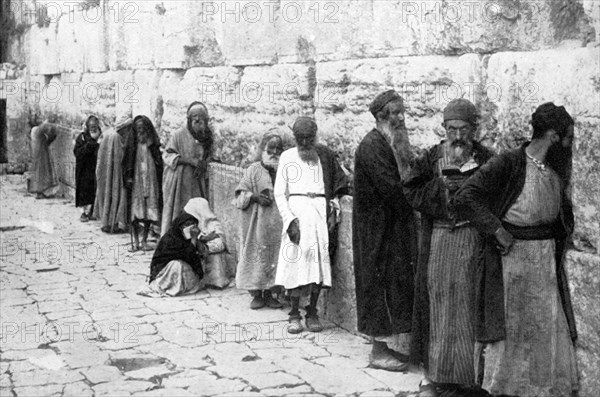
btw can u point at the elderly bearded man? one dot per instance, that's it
(383, 235)
(444, 328)
(186, 160)
(518, 202)
(308, 181)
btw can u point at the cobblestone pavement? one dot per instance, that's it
(72, 324)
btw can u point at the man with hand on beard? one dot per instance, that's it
(260, 226)
(384, 235)
(524, 315)
(444, 324)
(308, 182)
(186, 160)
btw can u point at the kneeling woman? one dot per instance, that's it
(176, 267)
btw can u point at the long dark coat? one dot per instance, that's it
(384, 241)
(86, 155)
(427, 194)
(485, 199)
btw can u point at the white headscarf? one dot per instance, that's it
(207, 220)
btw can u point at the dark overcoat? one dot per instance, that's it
(384, 241)
(86, 156)
(485, 199)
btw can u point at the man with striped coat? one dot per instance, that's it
(443, 324)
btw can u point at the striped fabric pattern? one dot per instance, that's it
(451, 284)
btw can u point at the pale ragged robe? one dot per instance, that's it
(111, 197)
(307, 262)
(260, 232)
(181, 182)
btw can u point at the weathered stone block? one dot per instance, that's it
(43, 50)
(346, 88)
(108, 94)
(584, 281)
(145, 99)
(244, 31)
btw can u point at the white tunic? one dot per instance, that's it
(307, 262)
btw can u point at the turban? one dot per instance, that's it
(305, 124)
(461, 109)
(383, 99)
(549, 116)
(122, 122)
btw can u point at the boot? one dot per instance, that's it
(270, 301)
(258, 301)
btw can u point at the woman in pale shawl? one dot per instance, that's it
(44, 181)
(260, 227)
(216, 269)
(186, 160)
(111, 197)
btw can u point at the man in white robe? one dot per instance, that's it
(308, 179)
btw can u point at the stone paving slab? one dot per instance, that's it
(72, 324)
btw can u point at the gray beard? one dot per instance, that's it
(309, 156)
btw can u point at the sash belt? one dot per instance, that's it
(540, 232)
(309, 195)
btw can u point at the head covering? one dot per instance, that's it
(207, 220)
(198, 108)
(123, 121)
(548, 116)
(152, 135)
(461, 109)
(305, 124)
(383, 99)
(87, 123)
(174, 246)
(266, 139)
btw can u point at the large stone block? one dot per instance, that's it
(346, 88)
(347, 29)
(44, 50)
(340, 300)
(585, 185)
(245, 31)
(82, 43)
(145, 99)
(108, 94)
(584, 280)
(523, 81)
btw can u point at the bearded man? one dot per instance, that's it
(186, 160)
(383, 235)
(444, 332)
(518, 203)
(260, 226)
(142, 175)
(308, 183)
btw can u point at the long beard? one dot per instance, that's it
(460, 151)
(560, 159)
(401, 148)
(309, 156)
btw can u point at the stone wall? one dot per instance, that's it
(258, 65)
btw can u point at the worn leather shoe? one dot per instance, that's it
(313, 324)
(257, 303)
(295, 326)
(387, 362)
